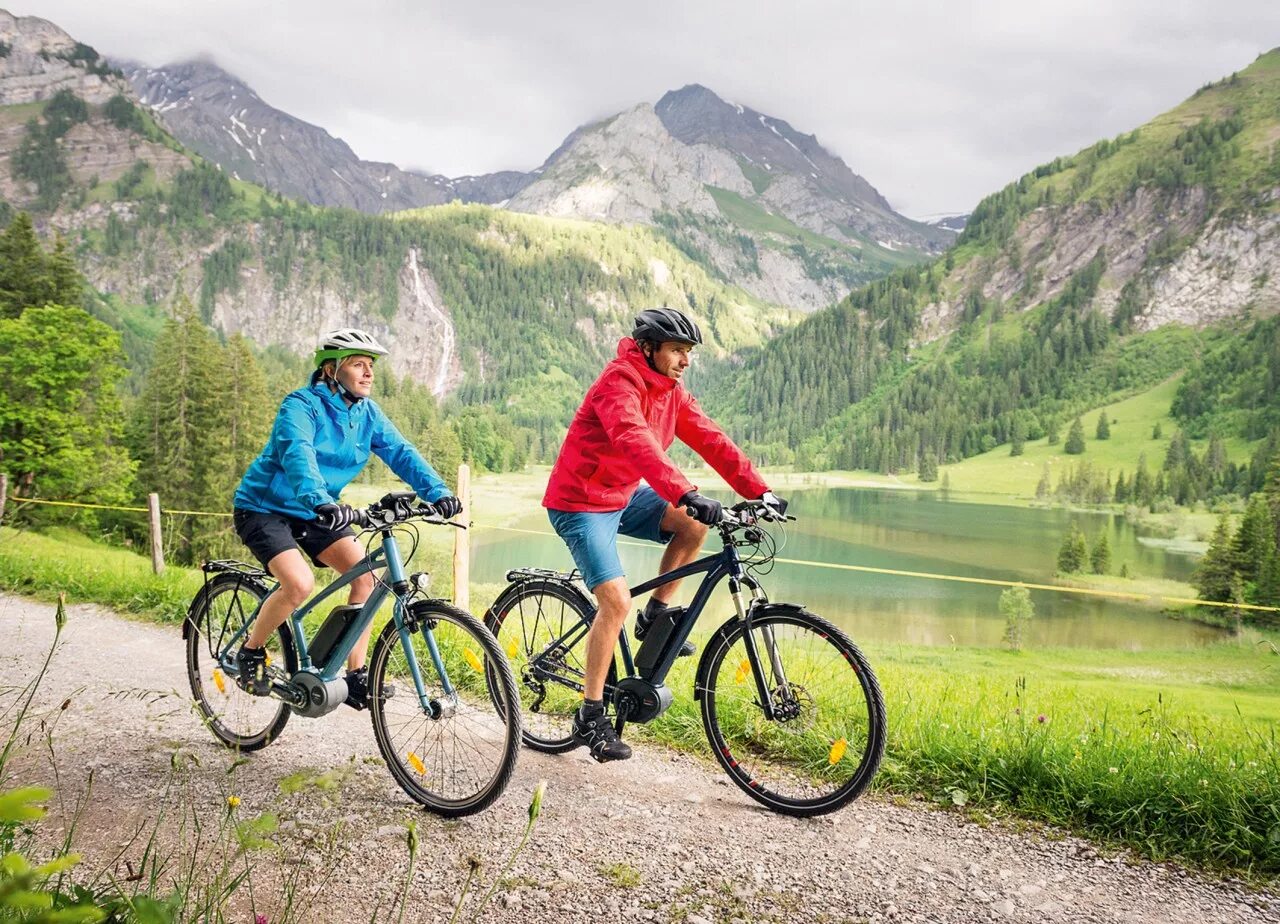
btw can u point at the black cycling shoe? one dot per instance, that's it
(251, 666)
(597, 733)
(358, 689)
(646, 616)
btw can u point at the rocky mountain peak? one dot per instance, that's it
(38, 59)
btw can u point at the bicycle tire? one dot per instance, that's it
(420, 750)
(525, 618)
(239, 720)
(822, 753)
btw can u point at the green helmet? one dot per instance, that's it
(348, 341)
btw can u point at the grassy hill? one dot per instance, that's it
(1088, 281)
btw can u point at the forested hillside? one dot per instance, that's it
(507, 314)
(1093, 276)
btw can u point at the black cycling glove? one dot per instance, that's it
(702, 509)
(777, 505)
(335, 516)
(447, 506)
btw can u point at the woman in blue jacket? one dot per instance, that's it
(287, 502)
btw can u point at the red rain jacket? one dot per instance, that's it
(620, 434)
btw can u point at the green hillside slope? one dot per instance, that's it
(1054, 301)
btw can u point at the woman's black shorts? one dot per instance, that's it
(269, 534)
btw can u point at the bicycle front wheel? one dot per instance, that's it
(238, 719)
(455, 753)
(826, 737)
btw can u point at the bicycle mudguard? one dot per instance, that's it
(231, 576)
(523, 577)
(722, 634)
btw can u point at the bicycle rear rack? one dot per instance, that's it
(529, 574)
(233, 566)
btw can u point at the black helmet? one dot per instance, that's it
(663, 324)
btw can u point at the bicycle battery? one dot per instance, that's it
(333, 628)
(655, 639)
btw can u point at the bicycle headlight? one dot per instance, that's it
(420, 580)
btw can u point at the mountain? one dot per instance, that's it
(759, 204)
(952, 223)
(1092, 277)
(224, 121)
(501, 312)
(746, 194)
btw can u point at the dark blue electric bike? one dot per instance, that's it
(441, 691)
(789, 704)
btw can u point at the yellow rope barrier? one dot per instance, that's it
(51, 503)
(866, 569)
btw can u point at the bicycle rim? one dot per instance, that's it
(238, 719)
(827, 740)
(457, 756)
(531, 616)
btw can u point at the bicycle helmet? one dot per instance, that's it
(663, 324)
(348, 341)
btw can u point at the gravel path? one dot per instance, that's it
(663, 837)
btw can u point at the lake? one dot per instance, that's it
(914, 531)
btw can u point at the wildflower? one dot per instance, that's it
(233, 801)
(535, 806)
(1204, 784)
(1113, 769)
(1076, 756)
(1042, 718)
(259, 918)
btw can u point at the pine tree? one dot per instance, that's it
(1103, 431)
(1043, 485)
(1018, 440)
(1100, 556)
(928, 467)
(1214, 574)
(1121, 495)
(1017, 609)
(1073, 552)
(1075, 439)
(1052, 431)
(1253, 540)
(181, 433)
(1157, 433)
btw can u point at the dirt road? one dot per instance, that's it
(661, 838)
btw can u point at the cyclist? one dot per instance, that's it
(287, 502)
(620, 434)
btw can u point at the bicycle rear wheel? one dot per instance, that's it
(238, 719)
(456, 755)
(827, 736)
(527, 618)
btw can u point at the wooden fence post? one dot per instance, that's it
(157, 544)
(462, 544)
(4, 493)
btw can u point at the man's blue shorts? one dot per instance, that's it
(593, 537)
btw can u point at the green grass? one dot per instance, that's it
(1132, 422)
(1172, 753)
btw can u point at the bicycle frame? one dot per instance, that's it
(715, 567)
(386, 558)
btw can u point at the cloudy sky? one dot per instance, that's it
(935, 103)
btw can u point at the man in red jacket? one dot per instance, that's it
(620, 434)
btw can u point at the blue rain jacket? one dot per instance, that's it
(317, 447)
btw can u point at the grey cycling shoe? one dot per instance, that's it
(595, 730)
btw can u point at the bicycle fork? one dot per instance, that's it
(764, 694)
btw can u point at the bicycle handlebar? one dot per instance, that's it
(398, 507)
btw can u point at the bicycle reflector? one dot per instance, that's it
(219, 682)
(743, 669)
(416, 762)
(472, 659)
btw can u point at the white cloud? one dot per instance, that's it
(936, 104)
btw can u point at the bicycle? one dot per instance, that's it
(805, 737)
(440, 688)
